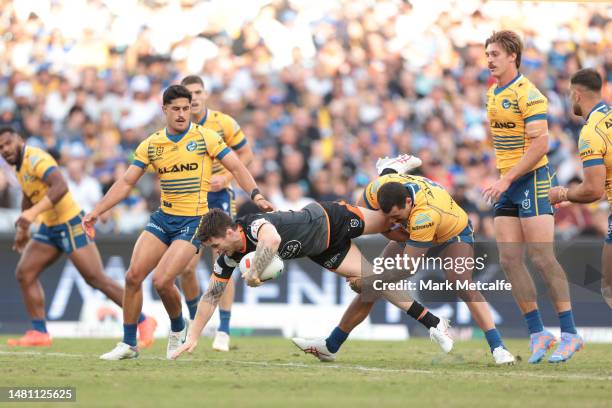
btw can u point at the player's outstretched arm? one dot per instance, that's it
(245, 180)
(268, 241)
(118, 192)
(591, 189)
(206, 308)
(537, 131)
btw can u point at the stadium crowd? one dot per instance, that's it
(320, 88)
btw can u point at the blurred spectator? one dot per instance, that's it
(85, 189)
(321, 89)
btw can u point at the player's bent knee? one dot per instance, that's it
(189, 272)
(509, 263)
(134, 278)
(22, 275)
(162, 283)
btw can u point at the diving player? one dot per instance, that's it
(516, 110)
(46, 195)
(432, 220)
(182, 155)
(221, 195)
(595, 146)
(321, 232)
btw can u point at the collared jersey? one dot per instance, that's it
(31, 174)
(228, 129)
(509, 109)
(435, 217)
(595, 142)
(184, 166)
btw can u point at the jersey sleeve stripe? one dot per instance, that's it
(138, 163)
(239, 145)
(49, 171)
(539, 116)
(592, 162)
(223, 153)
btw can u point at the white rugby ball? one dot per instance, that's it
(272, 271)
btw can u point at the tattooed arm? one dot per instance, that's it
(208, 303)
(268, 241)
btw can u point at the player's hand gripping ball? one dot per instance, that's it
(272, 271)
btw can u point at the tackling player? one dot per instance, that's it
(46, 195)
(595, 146)
(221, 195)
(516, 110)
(182, 155)
(434, 222)
(321, 232)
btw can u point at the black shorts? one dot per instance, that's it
(346, 222)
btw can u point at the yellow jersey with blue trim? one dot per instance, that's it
(595, 142)
(228, 129)
(35, 167)
(435, 217)
(509, 109)
(183, 163)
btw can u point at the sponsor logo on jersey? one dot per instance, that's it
(191, 146)
(534, 102)
(420, 227)
(503, 125)
(291, 249)
(178, 168)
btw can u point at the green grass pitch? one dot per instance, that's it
(272, 372)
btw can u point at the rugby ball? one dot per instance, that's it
(273, 271)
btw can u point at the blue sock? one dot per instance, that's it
(494, 339)
(129, 334)
(177, 324)
(39, 326)
(192, 305)
(566, 320)
(225, 316)
(534, 321)
(335, 339)
(141, 318)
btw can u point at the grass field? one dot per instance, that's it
(271, 372)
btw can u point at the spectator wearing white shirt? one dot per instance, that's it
(85, 189)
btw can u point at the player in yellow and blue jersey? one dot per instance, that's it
(516, 110)
(432, 223)
(221, 195)
(595, 147)
(46, 197)
(182, 155)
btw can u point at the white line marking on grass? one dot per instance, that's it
(489, 373)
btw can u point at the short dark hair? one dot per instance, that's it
(7, 129)
(214, 224)
(390, 195)
(192, 79)
(175, 92)
(509, 41)
(589, 78)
